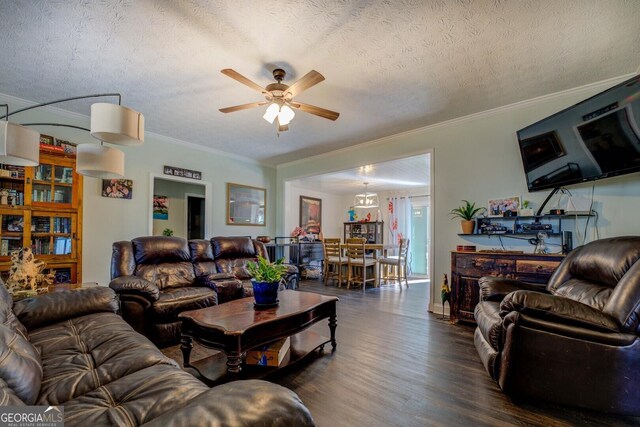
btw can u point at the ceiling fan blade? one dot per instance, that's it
(312, 78)
(322, 112)
(242, 107)
(242, 79)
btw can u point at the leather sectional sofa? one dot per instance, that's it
(70, 348)
(577, 342)
(159, 277)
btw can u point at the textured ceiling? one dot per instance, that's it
(402, 174)
(389, 65)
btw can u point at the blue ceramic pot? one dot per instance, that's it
(265, 293)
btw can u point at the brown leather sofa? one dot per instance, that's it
(158, 277)
(575, 342)
(70, 348)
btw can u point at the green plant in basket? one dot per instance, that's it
(267, 272)
(467, 211)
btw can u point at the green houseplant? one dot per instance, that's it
(266, 277)
(467, 213)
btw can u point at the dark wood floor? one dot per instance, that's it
(398, 365)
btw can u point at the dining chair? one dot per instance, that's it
(398, 264)
(357, 264)
(333, 260)
(355, 240)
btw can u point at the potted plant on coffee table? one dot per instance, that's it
(266, 277)
(467, 213)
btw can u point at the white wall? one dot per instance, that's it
(107, 220)
(175, 192)
(332, 213)
(477, 158)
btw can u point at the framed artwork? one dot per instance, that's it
(311, 214)
(496, 207)
(160, 207)
(246, 205)
(117, 188)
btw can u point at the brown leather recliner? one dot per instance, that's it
(156, 281)
(575, 342)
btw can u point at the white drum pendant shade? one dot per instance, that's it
(99, 161)
(117, 124)
(19, 146)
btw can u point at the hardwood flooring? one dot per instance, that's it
(398, 365)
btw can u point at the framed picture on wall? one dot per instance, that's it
(246, 205)
(117, 188)
(160, 207)
(311, 214)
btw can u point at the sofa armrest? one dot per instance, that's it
(135, 285)
(59, 306)
(496, 288)
(557, 309)
(240, 403)
(618, 339)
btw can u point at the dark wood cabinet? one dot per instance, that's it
(373, 231)
(468, 267)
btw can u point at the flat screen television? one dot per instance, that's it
(594, 139)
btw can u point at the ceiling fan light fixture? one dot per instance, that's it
(272, 112)
(286, 115)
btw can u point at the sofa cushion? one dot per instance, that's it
(202, 257)
(174, 301)
(7, 396)
(233, 247)
(135, 399)
(160, 250)
(167, 275)
(7, 317)
(20, 365)
(586, 292)
(82, 354)
(237, 267)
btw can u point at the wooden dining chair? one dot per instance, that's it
(355, 240)
(333, 260)
(357, 264)
(398, 264)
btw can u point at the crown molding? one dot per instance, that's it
(604, 84)
(84, 119)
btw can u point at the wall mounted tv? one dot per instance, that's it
(594, 139)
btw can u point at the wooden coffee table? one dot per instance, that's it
(236, 326)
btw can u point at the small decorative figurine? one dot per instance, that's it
(352, 214)
(445, 293)
(25, 275)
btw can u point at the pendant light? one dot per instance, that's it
(112, 123)
(366, 200)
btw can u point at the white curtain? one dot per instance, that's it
(399, 220)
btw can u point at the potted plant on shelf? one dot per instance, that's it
(526, 209)
(266, 277)
(467, 213)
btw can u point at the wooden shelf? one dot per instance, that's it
(213, 369)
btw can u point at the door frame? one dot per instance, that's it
(208, 203)
(186, 210)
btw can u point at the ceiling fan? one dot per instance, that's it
(279, 96)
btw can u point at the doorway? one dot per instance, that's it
(420, 235)
(195, 216)
(172, 194)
